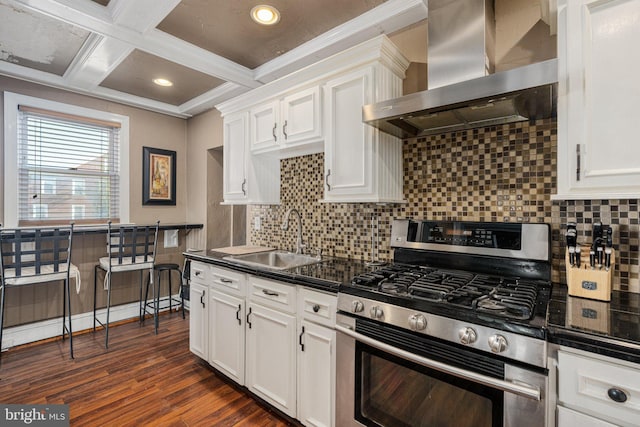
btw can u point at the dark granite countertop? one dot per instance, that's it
(607, 328)
(327, 275)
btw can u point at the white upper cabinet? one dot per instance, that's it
(234, 157)
(289, 125)
(302, 117)
(316, 109)
(265, 120)
(361, 163)
(246, 178)
(599, 95)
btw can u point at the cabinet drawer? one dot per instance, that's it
(318, 307)
(229, 281)
(590, 385)
(199, 272)
(269, 293)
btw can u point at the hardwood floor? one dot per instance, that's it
(142, 379)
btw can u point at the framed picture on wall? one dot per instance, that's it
(158, 176)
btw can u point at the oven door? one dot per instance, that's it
(392, 384)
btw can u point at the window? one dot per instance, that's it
(77, 187)
(77, 212)
(66, 162)
(39, 211)
(47, 185)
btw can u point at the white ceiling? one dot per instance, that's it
(210, 49)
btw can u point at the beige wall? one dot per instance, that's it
(204, 177)
(32, 303)
(145, 129)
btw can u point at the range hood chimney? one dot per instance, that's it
(463, 91)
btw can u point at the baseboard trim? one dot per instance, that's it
(32, 332)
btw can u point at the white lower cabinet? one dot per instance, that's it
(271, 356)
(597, 390)
(227, 334)
(316, 374)
(198, 319)
(275, 338)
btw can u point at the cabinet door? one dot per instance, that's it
(234, 157)
(598, 155)
(348, 141)
(226, 336)
(265, 127)
(316, 374)
(198, 320)
(569, 418)
(271, 357)
(301, 117)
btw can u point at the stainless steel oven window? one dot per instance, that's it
(394, 392)
(524, 391)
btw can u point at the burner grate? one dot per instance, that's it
(510, 298)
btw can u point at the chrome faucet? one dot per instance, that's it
(285, 226)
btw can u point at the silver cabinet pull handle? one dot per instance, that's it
(524, 390)
(273, 132)
(326, 180)
(244, 186)
(270, 293)
(284, 130)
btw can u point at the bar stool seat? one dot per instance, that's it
(154, 305)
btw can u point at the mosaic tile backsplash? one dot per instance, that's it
(498, 173)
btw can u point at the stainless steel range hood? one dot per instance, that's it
(460, 53)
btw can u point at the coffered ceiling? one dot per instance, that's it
(210, 49)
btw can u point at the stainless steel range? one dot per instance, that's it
(452, 333)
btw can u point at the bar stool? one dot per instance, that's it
(155, 304)
(33, 255)
(129, 248)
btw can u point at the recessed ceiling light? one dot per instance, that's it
(163, 82)
(265, 14)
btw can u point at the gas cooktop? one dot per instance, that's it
(510, 298)
(495, 275)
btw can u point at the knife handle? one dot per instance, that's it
(600, 253)
(578, 256)
(572, 256)
(592, 259)
(607, 258)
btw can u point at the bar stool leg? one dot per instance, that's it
(68, 302)
(95, 281)
(1, 312)
(156, 309)
(170, 294)
(181, 290)
(106, 326)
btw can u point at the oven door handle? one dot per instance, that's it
(524, 390)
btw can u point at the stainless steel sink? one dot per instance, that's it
(277, 260)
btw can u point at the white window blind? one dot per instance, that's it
(59, 154)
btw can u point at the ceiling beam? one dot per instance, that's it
(81, 13)
(53, 80)
(390, 16)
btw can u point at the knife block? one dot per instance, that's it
(590, 283)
